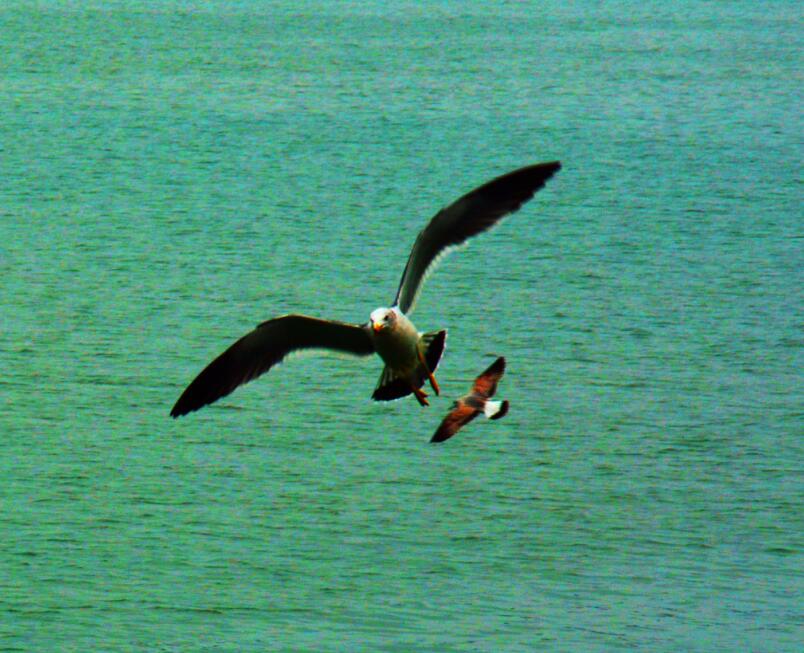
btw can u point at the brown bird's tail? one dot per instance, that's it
(495, 409)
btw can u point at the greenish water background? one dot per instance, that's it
(172, 173)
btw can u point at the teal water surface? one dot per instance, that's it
(174, 172)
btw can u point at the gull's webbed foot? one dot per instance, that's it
(421, 396)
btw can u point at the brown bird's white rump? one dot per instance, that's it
(410, 357)
(465, 409)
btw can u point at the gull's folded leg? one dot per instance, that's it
(433, 382)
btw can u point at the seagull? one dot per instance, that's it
(410, 357)
(465, 409)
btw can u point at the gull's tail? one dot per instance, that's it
(392, 386)
(495, 409)
(435, 342)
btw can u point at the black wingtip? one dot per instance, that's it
(496, 368)
(178, 410)
(513, 189)
(543, 171)
(440, 436)
(186, 404)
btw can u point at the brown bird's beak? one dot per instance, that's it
(377, 326)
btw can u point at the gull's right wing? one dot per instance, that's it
(258, 351)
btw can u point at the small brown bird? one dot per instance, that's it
(465, 409)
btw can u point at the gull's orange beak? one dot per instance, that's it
(377, 326)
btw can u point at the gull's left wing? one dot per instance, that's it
(472, 214)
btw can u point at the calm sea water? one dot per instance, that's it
(174, 172)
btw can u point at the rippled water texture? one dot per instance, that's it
(173, 173)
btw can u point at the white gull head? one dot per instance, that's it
(383, 318)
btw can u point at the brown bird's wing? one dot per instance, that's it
(256, 352)
(468, 216)
(486, 384)
(455, 420)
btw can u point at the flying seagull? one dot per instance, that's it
(410, 357)
(465, 409)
